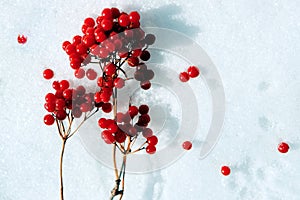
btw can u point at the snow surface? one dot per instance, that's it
(255, 46)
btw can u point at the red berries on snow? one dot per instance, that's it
(283, 147)
(192, 72)
(22, 39)
(48, 74)
(225, 170)
(187, 145)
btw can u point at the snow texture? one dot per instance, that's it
(255, 46)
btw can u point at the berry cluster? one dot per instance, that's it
(67, 102)
(192, 72)
(116, 131)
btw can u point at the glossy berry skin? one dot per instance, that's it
(193, 71)
(133, 111)
(143, 109)
(133, 61)
(107, 13)
(119, 83)
(65, 44)
(187, 145)
(64, 84)
(145, 55)
(89, 22)
(107, 107)
(107, 137)
(184, 77)
(106, 24)
(283, 147)
(79, 73)
(91, 74)
(49, 119)
(146, 85)
(134, 17)
(48, 74)
(150, 149)
(152, 140)
(225, 170)
(22, 39)
(124, 20)
(110, 69)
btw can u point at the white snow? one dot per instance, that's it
(254, 44)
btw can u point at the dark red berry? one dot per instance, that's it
(143, 109)
(107, 107)
(145, 85)
(110, 69)
(115, 12)
(120, 136)
(133, 61)
(61, 114)
(145, 55)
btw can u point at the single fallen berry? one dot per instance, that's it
(193, 71)
(22, 39)
(225, 170)
(283, 147)
(48, 74)
(184, 77)
(187, 145)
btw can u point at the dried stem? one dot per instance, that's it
(61, 169)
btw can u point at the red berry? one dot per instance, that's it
(68, 94)
(64, 84)
(70, 49)
(120, 117)
(85, 107)
(106, 24)
(187, 145)
(184, 77)
(120, 136)
(89, 22)
(143, 109)
(65, 44)
(50, 98)
(107, 107)
(152, 140)
(49, 119)
(61, 114)
(115, 12)
(60, 104)
(133, 111)
(119, 83)
(112, 127)
(225, 170)
(88, 40)
(75, 64)
(50, 107)
(81, 49)
(283, 147)
(102, 122)
(99, 35)
(80, 90)
(107, 137)
(134, 17)
(145, 85)
(107, 13)
(48, 74)
(110, 69)
(56, 85)
(151, 149)
(91, 74)
(136, 52)
(79, 73)
(76, 40)
(124, 20)
(76, 112)
(133, 61)
(22, 39)
(193, 71)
